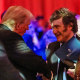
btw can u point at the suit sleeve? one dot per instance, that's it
(24, 57)
(7, 70)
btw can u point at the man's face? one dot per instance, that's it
(61, 32)
(21, 28)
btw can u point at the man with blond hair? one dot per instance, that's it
(14, 24)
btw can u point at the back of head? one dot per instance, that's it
(67, 16)
(17, 14)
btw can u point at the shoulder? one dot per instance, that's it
(7, 34)
(78, 37)
(54, 45)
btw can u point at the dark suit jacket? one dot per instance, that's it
(21, 56)
(53, 61)
(7, 70)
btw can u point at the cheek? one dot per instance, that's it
(63, 31)
(27, 27)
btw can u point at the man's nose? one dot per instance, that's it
(54, 30)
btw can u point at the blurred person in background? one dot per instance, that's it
(34, 37)
(39, 36)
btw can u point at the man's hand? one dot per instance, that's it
(43, 77)
(71, 72)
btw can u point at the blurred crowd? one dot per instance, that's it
(39, 36)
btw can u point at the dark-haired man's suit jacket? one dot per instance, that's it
(21, 56)
(62, 58)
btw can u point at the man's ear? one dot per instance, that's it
(17, 26)
(70, 25)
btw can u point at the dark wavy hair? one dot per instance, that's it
(67, 16)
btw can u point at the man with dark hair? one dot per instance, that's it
(65, 51)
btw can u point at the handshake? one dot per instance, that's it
(42, 77)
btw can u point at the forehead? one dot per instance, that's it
(57, 22)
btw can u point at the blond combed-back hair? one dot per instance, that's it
(17, 14)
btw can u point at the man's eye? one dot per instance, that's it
(55, 27)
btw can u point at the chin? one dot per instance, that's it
(59, 40)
